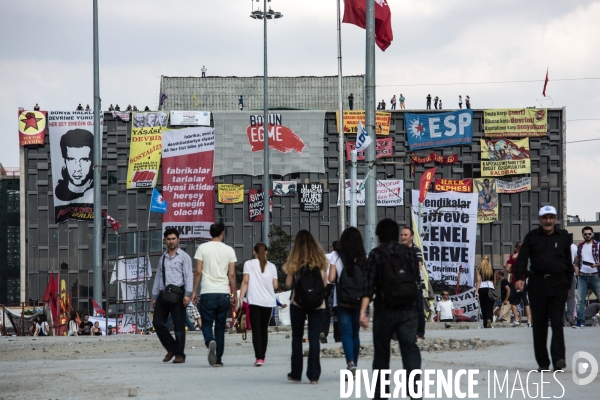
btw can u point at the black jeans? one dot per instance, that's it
(337, 336)
(547, 299)
(162, 310)
(259, 320)
(404, 323)
(487, 306)
(315, 317)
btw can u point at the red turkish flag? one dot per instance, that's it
(426, 179)
(355, 12)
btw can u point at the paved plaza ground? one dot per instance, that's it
(108, 367)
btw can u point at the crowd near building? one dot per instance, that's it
(203, 153)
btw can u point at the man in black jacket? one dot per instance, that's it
(550, 275)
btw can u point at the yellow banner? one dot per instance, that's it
(505, 157)
(515, 122)
(144, 157)
(231, 194)
(487, 200)
(351, 118)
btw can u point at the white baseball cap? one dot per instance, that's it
(547, 210)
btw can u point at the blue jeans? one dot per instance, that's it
(404, 323)
(315, 317)
(348, 320)
(213, 309)
(584, 283)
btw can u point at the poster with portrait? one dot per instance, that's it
(505, 157)
(285, 188)
(311, 197)
(487, 200)
(71, 135)
(150, 119)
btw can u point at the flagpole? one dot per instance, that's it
(370, 184)
(340, 124)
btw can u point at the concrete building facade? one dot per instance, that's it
(10, 251)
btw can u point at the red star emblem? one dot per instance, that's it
(419, 128)
(30, 121)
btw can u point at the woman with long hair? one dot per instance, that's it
(305, 257)
(485, 283)
(96, 331)
(351, 257)
(73, 326)
(260, 283)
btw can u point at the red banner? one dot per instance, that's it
(187, 181)
(256, 205)
(384, 149)
(435, 158)
(32, 127)
(453, 185)
(426, 179)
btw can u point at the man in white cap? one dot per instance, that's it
(550, 275)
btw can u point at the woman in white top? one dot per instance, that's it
(260, 283)
(485, 283)
(42, 326)
(350, 255)
(73, 328)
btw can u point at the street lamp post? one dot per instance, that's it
(266, 15)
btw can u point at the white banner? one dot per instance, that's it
(190, 118)
(134, 291)
(466, 301)
(144, 321)
(450, 226)
(132, 270)
(102, 323)
(521, 185)
(390, 193)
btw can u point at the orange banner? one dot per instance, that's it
(426, 179)
(435, 158)
(453, 185)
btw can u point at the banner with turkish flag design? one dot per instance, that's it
(32, 127)
(295, 142)
(355, 12)
(426, 179)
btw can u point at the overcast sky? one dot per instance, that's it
(46, 57)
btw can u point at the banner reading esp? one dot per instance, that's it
(352, 117)
(487, 200)
(144, 156)
(188, 185)
(506, 157)
(230, 193)
(515, 122)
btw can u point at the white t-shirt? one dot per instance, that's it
(215, 257)
(260, 284)
(335, 259)
(445, 308)
(573, 252)
(586, 255)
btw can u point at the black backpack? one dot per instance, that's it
(398, 278)
(309, 290)
(349, 289)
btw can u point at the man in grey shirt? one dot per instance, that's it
(174, 268)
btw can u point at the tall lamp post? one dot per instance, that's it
(266, 15)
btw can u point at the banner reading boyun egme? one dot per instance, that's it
(71, 135)
(295, 142)
(187, 182)
(450, 226)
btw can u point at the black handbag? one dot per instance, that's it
(171, 293)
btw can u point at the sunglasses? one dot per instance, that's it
(588, 234)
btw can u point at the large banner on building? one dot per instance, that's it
(295, 142)
(311, 197)
(187, 182)
(353, 117)
(506, 157)
(71, 135)
(487, 200)
(195, 118)
(450, 225)
(426, 131)
(390, 193)
(150, 119)
(256, 205)
(32, 127)
(520, 185)
(453, 185)
(384, 148)
(144, 154)
(515, 122)
(285, 188)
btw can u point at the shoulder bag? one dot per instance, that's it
(171, 293)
